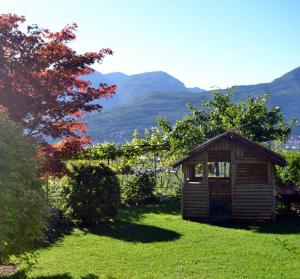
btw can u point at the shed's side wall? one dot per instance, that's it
(253, 185)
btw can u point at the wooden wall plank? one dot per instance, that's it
(253, 201)
(194, 198)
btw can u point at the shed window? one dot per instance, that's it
(218, 169)
(198, 170)
(195, 173)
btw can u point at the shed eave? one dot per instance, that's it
(265, 152)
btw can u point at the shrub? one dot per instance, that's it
(137, 187)
(290, 175)
(288, 180)
(22, 203)
(91, 192)
(168, 185)
(55, 192)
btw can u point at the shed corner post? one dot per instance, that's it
(232, 173)
(182, 186)
(205, 179)
(271, 181)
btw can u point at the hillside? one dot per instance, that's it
(142, 98)
(117, 124)
(140, 85)
(285, 92)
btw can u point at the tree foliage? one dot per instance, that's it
(42, 86)
(105, 151)
(253, 118)
(21, 199)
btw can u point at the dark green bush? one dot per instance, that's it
(91, 192)
(137, 187)
(22, 204)
(289, 175)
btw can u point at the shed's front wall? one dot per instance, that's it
(194, 196)
(251, 176)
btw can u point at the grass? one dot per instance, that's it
(154, 242)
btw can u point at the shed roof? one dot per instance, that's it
(264, 151)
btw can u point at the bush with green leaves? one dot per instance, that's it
(54, 188)
(168, 184)
(289, 175)
(137, 187)
(22, 204)
(91, 192)
(288, 180)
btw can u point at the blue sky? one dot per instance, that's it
(202, 43)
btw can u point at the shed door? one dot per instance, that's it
(219, 185)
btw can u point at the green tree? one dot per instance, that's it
(253, 118)
(21, 199)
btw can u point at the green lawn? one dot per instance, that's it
(154, 242)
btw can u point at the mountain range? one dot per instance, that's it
(131, 87)
(141, 98)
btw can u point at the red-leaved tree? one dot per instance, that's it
(42, 87)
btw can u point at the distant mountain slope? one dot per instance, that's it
(142, 84)
(117, 124)
(284, 91)
(116, 77)
(139, 85)
(142, 98)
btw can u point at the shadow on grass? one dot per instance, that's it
(133, 232)
(22, 275)
(126, 229)
(284, 224)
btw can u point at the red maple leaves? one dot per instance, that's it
(42, 85)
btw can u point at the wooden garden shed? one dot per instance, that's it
(229, 176)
